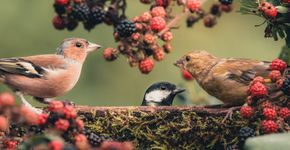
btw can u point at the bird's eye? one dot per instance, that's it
(78, 44)
(187, 58)
(163, 88)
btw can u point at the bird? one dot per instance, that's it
(227, 79)
(49, 75)
(161, 94)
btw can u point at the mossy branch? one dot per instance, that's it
(165, 127)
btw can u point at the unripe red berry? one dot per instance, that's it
(163, 3)
(55, 145)
(167, 36)
(62, 124)
(138, 26)
(7, 99)
(10, 144)
(258, 90)
(135, 36)
(80, 124)
(61, 2)
(29, 116)
(266, 104)
(158, 12)
(110, 54)
(279, 83)
(145, 17)
(275, 75)
(258, 79)
(186, 75)
(146, 65)
(269, 113)
(158, 54)
(284, 112)
(56, 106)
(193, 5)
(269, 126)
(209, 21)
(3, 123)
(69, 112)
(80, 138)
(247, 111)
(42, 119)
(227, 8)
(268, 9)
(149, 38)
(58, 23)
(157, 24)
(278, 64)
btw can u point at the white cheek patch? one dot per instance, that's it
(157, 95)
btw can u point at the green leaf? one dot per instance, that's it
(274, 33)
(274, 2)
(269, 142)
(284, 54)
(281, 33)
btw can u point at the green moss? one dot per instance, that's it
(169, 129)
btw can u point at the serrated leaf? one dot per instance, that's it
(274, 33)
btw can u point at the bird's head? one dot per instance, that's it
(195, 62)
(76, 48)
(161, 94)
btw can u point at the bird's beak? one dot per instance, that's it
(93, 47)
(179, 63)
(178, 90)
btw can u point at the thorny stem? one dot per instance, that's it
(176, 19)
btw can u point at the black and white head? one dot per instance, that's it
(161, 94)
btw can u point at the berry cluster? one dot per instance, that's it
(19, 123)
(138, 39)
(268, 99)
(90, 13)
(209, 18)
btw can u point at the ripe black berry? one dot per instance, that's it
(71, 25)
(245, 133)
(80, 12)
(59, 9)
(191, 20)
(286, 86)
(97, 15)
(226, 2)
(35, 129)
(215, 10)
(125, 28)
(17, 131)
(94, 139)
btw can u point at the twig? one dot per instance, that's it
(176, 19)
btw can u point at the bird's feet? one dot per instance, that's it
(28, 105)
(48, 100)
(230, 113)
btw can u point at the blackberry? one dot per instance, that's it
(71, 25)
(226, 2)
(59, 9)
(245, 133)
(80, 12)
(88, 25)
(232, 147)
(35, 129)
(191, 20)
(94, 139)
(215, 10)
(286, 86)
(125, 28)
(53, 117)
(17, 131)
(97, 15)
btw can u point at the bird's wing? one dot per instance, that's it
(243, 70)
(31, 66)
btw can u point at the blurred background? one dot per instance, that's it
(26, 29)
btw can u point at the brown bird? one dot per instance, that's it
(225, 79)
(46, 76)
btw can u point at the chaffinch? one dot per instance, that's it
(225, 79)
(161, 94)
(46, 76)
